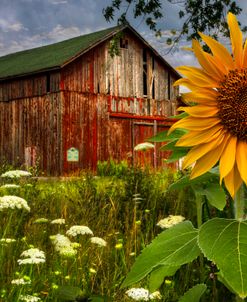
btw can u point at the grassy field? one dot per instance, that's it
(120, 205)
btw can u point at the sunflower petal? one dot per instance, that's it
(236, 39)
(245, 55)
(241, 157)
(198, 76)
(228, 156)
(233, 181)
(195, 124)
(207, 64)
(206, 162)
(200, 98)
(199, 111)
(219, 51)
(199, 151)
(194, 138)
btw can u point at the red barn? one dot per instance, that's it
(70, 104)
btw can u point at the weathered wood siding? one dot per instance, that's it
(120, 76)
(32, 132)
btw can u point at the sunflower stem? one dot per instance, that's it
(239, 204)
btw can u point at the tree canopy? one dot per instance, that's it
(197, 15)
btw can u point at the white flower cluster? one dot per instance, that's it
(170, 221)
(41, 220)
(32, 256)
(16, 174)
(99, 241)
(64, 246)
(58, 221)
(7, 240)
(10, 186)
(79, 230)
(20, 281)
(29, 298)
(142, 294)
(11, 202)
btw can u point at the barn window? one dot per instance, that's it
(48, 82)
(145, 69)
(124, 43)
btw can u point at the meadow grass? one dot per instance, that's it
(121, 206)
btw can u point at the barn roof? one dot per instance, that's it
(57, 55)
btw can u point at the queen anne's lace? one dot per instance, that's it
(170, 221)
(64, 246)
(16, 174)
(99, 241)
(29, 298)
(79, 230)
(32, 256)
(12, 202)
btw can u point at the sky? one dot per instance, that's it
(27, 24)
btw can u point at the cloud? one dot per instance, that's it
(8, 25)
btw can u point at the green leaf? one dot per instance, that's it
(177, 154)
(157, 276)
(163, 137)
(215, 194)
(180, 115)
(173, 247)
(69, 293)
(194, 294)
(224, 241)
(185, 181)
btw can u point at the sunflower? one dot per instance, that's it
(217, 123)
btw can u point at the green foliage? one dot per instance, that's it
(204, 16)
(225, 242)
(194, 294)
(173, 247)
(158, 275)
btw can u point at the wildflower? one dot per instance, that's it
(138, 222)
(16, 174)
(32, 256)
(29, 298)
(54, 286)
(118, 246)
(147, 211)
(168, 282)
(67, 277)
(7, 240)
(170, 221)
(20, 281)
(99, 241)
(92, 270)
(155, 296)
(57, 273)
(10, 186)
(79, 230)
(58, 221)
(138, 294)
(41, 220)
(142, 294)
(63, 245)
(217, 124)
(12, 202)
(144, 147)
(132, 254)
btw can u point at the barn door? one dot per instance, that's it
(140, 132)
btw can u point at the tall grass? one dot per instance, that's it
(121, 205)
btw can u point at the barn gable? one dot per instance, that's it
(72, 96)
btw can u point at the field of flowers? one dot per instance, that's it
(75, 240)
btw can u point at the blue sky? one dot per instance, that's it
(26, 24)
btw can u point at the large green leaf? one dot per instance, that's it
(173, 247)
(157, 276)
(215, 194)
(163, 137)
(194, 294)
(224, 241)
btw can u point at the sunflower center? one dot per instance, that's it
(232, 103)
